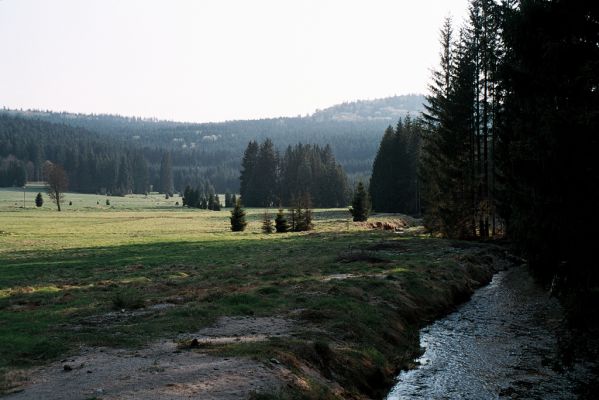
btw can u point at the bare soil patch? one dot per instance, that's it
(162, 370)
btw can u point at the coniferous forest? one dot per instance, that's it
(200, 153)
(270, 179)
(511, 127)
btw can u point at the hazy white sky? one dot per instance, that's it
(215, 60)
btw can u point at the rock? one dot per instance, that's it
(67, 368)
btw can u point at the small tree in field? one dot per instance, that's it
(39, 200)
(57, 183)
(267, 226)
(302, 214)
(238, 222)
(281, 224)
(360, 204)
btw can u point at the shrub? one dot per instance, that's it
(39, 200)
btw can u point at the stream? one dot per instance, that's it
(502, 344)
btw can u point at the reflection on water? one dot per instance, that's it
(501, 344)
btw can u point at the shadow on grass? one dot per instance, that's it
(45, 295)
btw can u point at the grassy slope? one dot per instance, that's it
(58, 269)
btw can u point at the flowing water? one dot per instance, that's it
(502, 344)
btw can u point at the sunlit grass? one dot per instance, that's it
(58, 270)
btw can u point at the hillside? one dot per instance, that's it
(214, 150)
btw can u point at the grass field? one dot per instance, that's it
(59, 269)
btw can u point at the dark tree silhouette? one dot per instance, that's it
(39, 200)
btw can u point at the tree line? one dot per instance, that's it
(92, 163)
(506, 145)
(213, 151)
(269, 179)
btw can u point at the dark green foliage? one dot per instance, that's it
(248, 175)
(209, 151)
(360, 204)
(267, 226)
(92, 162)
(457, 165)
(511, 132)
(107, 202)
(313, 171)
(201, 197)
(39, 200)
(281, 224)
(548, 143)
(166, 174)
(238, 222)
(124, 183)
(259, 174)
(394, 185)
(266, 178)
(301, 214)
(12, 172)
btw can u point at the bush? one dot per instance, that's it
(39, 200)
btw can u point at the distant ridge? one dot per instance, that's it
(387, 109)
(383, 109)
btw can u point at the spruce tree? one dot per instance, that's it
(39, 200)
(303, 214)
(267, 226)
(360, 204)
(238, 222)
(266, 173)
(166, 174)
(247, 179)
(281, 224)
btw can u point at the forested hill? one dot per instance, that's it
(213, 151)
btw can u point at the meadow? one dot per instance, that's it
(64, 274)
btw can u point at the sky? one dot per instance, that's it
(215, 60)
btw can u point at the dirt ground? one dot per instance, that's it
(164, 370)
